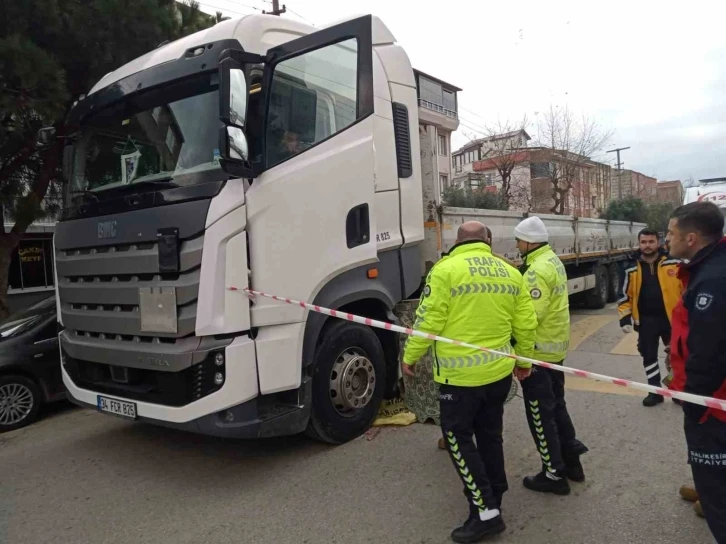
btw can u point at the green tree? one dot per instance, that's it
(626, 209)
(51, 52)
(630, 208)
(658, 215)
(459, 197)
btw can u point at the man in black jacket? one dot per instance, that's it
(698, 349)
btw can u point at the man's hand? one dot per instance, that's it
(627, 329)
(408, 370)
(522, 373)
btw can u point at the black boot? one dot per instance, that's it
(652, 399)
(574, 469)
(474, 529)
(571, 457)
(543, 484)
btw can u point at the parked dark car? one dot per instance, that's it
(30, 373)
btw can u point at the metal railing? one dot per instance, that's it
(437, 108)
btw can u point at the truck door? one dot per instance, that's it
(311, 209)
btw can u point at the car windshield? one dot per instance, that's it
(163, 135)
(21, 321)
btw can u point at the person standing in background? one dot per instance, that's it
(650, 292)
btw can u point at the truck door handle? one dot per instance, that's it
(357, 226)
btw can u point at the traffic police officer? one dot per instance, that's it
(477, 298)
(544, 391)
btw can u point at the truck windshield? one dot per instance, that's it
(168, 134)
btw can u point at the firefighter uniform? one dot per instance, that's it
(544, 391)
(477, 298)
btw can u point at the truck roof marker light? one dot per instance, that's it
(372, 273)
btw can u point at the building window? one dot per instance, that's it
(449, 100)
(488, 180)
(442, 144)
(594, 202)
(31, 266)
(540, 170)
(444, 181)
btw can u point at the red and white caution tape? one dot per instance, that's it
(709, 402)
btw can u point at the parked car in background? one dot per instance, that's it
(30, 373)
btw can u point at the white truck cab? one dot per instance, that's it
(261, 152)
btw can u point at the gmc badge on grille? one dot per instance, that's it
(106, 229)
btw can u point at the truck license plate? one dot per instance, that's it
(117, 407)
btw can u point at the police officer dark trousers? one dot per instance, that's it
(544, 391)
(473, 296)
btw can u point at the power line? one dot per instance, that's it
(301, 17)
(224, 9)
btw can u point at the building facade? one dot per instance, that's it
(669, 191)
(31, 276)
(482, 149)
(631, 183)
(438, 118)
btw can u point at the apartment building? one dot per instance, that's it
(669, 191)
(590, 182)
(438, 118)
(631, 183)
(464, 158)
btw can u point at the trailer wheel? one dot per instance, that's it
(598, 297)
(613, 283)
(348, 383)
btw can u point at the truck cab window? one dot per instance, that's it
(313, 96)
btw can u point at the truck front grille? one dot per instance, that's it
(99, 288)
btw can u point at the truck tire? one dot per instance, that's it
(597, 298)
(613, 283)
(20, 401)
(349, 378)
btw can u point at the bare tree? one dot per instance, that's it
(504, 149)
(566, 143)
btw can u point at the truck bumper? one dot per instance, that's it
(235, 410)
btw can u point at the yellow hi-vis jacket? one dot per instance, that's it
(670, 286)
(477, 298)
(546, 281)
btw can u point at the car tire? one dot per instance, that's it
(20, 402)
(598, 297)
(349, 379)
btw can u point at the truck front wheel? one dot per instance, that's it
(348, 382)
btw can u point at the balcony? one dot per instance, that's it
(430, 113)
(437, 108)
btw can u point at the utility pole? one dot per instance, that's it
(619, 165)
(276, 8)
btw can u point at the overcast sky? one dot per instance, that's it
(655, 75)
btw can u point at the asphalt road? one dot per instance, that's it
(81, 477)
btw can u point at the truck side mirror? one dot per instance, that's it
(45, 137)
(233, 95)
